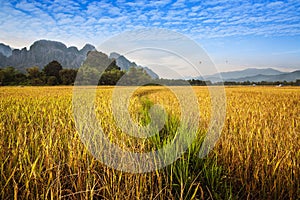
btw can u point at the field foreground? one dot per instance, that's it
(256, 157)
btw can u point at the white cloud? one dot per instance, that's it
(100, 19)
(159, 3)
(179, 4)
(275, 4)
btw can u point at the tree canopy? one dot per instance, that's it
(52, 69)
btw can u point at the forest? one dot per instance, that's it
(54, 74)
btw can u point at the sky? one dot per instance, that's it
(235, 34)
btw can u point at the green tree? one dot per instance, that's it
(52, 69)
(33, 72)
(87, 76)
(111, 77)
(37, 81)
(113, 66)
(67, 76)
(136, 76)
(35, 76)
(11, 76)
(52, 80)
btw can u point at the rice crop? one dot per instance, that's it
(257, 156)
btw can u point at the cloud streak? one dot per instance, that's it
(95, 20)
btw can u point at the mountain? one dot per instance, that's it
(151, 73)
(227, 76)
(250, 72)
(5, 50)
(121, 61)
(290, 76)
(98, 60)
(125, 64)
(41, 53)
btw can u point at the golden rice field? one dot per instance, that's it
(256, 157)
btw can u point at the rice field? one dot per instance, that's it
(256, 157)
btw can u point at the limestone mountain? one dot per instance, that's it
(42, 52)
(125, 64)
(5, 50)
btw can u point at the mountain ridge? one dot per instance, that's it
(125, 64)
(5, 50)
(252, 75)
(243, 73)
(286, 76)
(41, 52)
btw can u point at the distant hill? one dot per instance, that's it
(125, 64)
(240, 74)
(42, 52)
(5, 50)
(290, 76)
(122, 62)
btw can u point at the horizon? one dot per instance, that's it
(241, 68)
(236, 35)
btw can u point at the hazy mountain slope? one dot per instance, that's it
(42, 52)
(242, 73)
(5, 50)
(125, 64)
(291, 76)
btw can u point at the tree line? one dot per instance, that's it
(262, 83)
(54, 74)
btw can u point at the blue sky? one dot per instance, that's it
(235, 33)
